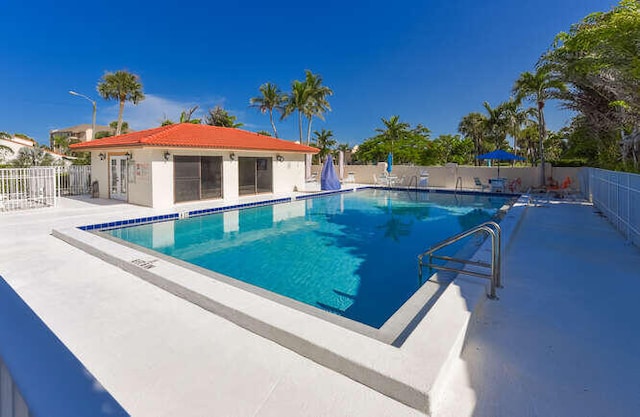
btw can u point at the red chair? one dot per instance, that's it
(515, 185)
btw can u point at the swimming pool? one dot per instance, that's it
(351, 254)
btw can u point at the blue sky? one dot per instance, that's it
(430, 62)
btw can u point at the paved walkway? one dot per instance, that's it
(564, 339)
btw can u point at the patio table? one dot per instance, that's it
(498, 184)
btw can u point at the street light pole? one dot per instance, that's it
(93, 119)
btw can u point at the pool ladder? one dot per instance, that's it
(490, 228)
(458, 183)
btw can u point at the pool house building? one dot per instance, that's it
(187, 162)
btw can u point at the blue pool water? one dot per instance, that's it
(352, 254)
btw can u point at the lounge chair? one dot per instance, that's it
(382, 179)
(313, 177)
(552, 184)
(480, 185)
(423, 181)
(562, 190)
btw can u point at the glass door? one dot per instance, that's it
(197, 177)
(255, 175)
(118, 177)
(246, 176)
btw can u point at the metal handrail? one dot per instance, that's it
(411, 182)
(493, 230)
(458, 181)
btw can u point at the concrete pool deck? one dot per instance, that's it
(160, 355)
(564, 338)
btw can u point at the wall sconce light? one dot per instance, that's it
(102, 156)
(232, 156)
(279, 158)
(128, 155)
(166, 155)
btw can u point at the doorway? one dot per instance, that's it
(118, 177)
(197, 178)
(255, 176)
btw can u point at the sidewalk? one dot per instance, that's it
(564, 339)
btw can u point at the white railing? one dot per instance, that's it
(35, 187)
(617, 196)
(75, 180)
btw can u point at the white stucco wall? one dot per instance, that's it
(445, 177)
(288, 173)
(142, 164)
(99, 172)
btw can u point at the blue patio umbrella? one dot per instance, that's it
(500, 155)
(389, 162)
(328, 178)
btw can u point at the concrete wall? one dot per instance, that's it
(143, 165)
(100, 173)
(152, 183)
(445, 176)
(288, 174)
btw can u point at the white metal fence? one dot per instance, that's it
(24, 188)
(617, 196)
(75, 180)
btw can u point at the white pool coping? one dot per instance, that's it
(411, 373)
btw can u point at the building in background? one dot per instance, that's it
(79, 133)
(16, 143)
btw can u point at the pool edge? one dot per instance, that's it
(386, 369)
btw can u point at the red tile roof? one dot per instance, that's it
(188, 135)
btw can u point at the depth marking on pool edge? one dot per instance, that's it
(144, 264)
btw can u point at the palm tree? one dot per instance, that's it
(473, 126)
(297, 100)
(220, 117)
(270, 100)
(528, 141)
(393, 131)
(342, 147)
(32, 156)
(122, 86)
(317, 103)
(185, 116)
(538, 87)
(124, 127)
(514, 117)
(495, 125)
(324, 141)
